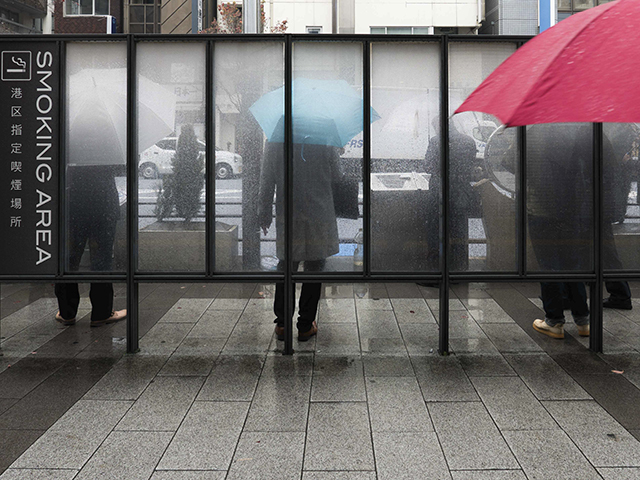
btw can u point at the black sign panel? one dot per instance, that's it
(29, 129)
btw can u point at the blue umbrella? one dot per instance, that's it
(325, 112)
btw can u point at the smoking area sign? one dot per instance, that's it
(29, 91)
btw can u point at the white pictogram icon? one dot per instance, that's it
(16, 66)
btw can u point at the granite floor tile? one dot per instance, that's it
(442, 379)
(233, 378)
(248, 338)
(338, 339)
(215, 324)
(454, 304)
(403, 290)
(469, 438)
(412, 310)
(619, 473)
(189, 475)
(202, 290)
(337, 290)
(512, 405)
(127, 379)
(336, 310)
(596, 433)
(187, 310)
(485, 365)
(462, 325)
(126, 456)
(6, 404)
(26, 374)
(268, 455)
(228, 304)
(510, 338)
(564, 460)
(347, 365)
(163, 404)
(545, 378)
(342, 427)
(286, 365)
(388, 366)
(477, 346)
(338, 388)
(207, 438)
(280, 404)
(409, 456)
(14, 443)
(308, 475)
(420, 339)
(488, 475)
(38, 474)
(190, 365)
(373, 303)
(378, 323)
(238, 290)
(396, 405)
(164, 338)
(486, 310)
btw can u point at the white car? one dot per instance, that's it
(156, 160)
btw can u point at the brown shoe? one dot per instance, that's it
(304, 336)
(64, 321)
(279, 332)
(554, 332)
(115, 317)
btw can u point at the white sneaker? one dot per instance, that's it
(542, 327)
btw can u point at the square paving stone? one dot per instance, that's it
(268, 455)
(510, 338)
(280, 404)
(188, 475)
(420, 338)
(164, 338)
(338, 388)
(308, 475)
(442, 379)
(126, 456)
(128, 378)
(488, 475)
(233, 378)
(546, 379)
(600, 438)
(485, 365)
(378, 323)
(462, 325)
(373, 303)
(486, 310)
(14, 442)
(285, 365)
(338, 339)
(412, 310)
(228, 304)
(388, 366)
(248, 338)
(454, 304)
(215, 324)
(187, 310)
(619, 473)
(469, 437)
(207, 438)
(37, 474)
(336, 310)
(163, 405)
(564, 460)
(479, 346)
(396, 405)
(403, 290)
(512, 405)
(409, 456)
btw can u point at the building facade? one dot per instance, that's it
(22, 16)
(87, 16)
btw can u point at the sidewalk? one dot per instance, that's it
(211, 397)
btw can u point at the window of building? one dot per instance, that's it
(400, 30)
(86, 7)
(314, 29)
(144, 16)
(569, 7)
(9, 15)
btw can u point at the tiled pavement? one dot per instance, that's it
(211, 397)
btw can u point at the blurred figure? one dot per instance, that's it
(93, 213)
(314, 230)
(619, 142)
(462, 172)
(559, 216)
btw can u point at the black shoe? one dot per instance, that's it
(304, 336)
(619, 304)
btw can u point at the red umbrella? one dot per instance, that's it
(584, 69)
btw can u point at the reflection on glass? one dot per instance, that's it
(96, 154)
(559, 196)
(245, 73)
(327, 129)
(171, 149)
(482, 185)
(620, 215)
(405, 191)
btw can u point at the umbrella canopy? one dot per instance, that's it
(325, 112)
(97, 118)
(584, 69)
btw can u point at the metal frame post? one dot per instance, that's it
(443, 343)
(289, 287)
(596, 291)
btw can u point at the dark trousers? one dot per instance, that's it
(558, 246)
(309, 297)
(99, 231)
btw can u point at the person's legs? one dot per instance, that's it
(619, 292)
(101, 296)
(278, 301)
(309, 297)
(68, 297)
(552, 302)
